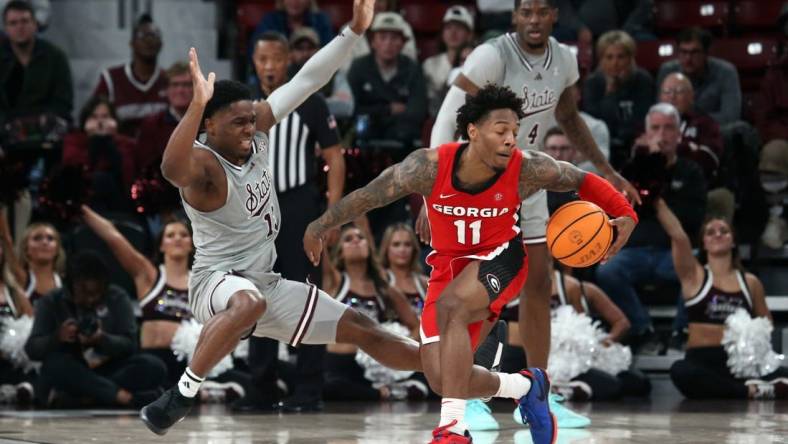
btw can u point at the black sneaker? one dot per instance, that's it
(142, 398)
(488, 354)
(169, 409)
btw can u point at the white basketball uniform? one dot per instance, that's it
(539, 81)
(235, 251)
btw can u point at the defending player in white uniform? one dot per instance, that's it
(541, 71)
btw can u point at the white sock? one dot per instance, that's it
(453, 409)
(512, 385)
(190, 383)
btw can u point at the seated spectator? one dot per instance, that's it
(773, 167)
(771, 110)
(701, 139)
(353, 276)
(39, 261)
(389, 89)
(162, 292)
(713, 289)
(715, 81)
(291, 15)
(35, 73)
(362, 47)
(457, 32)
(155, 130)
(13, 305)
(580, 20)
(618, 92)
(138, 88)
(646, 256)
(400, 257)
(304, 43)
(86, 336)
(585, 298)
(106, 156)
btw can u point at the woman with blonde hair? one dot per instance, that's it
(39, 261)
(618, 92)
(399, 256)
(353, 276)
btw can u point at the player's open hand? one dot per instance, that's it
(203, 88)
(622, 184)
(313, 245)
(623, 226)
(363, 11)
(423, 226)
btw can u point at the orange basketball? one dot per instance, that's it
(578, 234)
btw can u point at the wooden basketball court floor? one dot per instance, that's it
(664, 418)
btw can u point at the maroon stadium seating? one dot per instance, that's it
(651, 54)
(672, 15)
(757, 14)
(425, 18)
(746, 53)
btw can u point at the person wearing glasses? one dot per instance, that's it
(715, 81)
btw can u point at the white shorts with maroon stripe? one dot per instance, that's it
(533, 218)
(296, 313)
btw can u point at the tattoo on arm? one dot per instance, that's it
(415, 174)
(577, 131)
(540, 171)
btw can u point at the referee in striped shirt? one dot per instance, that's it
(293, 143)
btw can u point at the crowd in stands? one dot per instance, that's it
(106, 315)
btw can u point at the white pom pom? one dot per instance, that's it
(12, 342)
(376, 372)
(748, 344)
(612, 359)
(574, 339)
(185, 341)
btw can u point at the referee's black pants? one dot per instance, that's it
(299, 207)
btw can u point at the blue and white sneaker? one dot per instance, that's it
(566, 418)
(478, 416)
(535, 407)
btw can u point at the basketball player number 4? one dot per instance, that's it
(476, 231)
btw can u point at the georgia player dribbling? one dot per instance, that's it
(473, 191)
(541, 71)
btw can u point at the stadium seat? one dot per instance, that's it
(340, 12)
(756, 14)
(427, 46)
(651, 54)
(425, 18)
(747, 54)
(673, 15)
(248, 15)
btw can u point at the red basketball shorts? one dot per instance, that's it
(502, 272)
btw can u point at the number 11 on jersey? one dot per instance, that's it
(476, 231)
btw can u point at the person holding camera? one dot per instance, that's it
(655, 170)
(85, 336)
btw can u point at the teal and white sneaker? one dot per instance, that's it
(565, 418)
(478, 416)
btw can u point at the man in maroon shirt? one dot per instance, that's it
(701, 139)
(137, 89)
(155, 130)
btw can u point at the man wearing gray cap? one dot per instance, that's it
(457, 33)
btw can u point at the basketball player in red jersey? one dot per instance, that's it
(473, 192)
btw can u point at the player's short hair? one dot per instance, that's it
(551, 3)
(18, 5)
(488, 99)
(273, 36)
(695, 34)
(225, 93)
(554, 131)
(178, 68)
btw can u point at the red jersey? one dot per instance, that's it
(133, 100)
(465, 224)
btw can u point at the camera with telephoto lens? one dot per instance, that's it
(88, 324)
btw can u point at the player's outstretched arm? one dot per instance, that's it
(542, 171)
(577, 131)
(178, 164)
(317, 71)
(415, 174)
